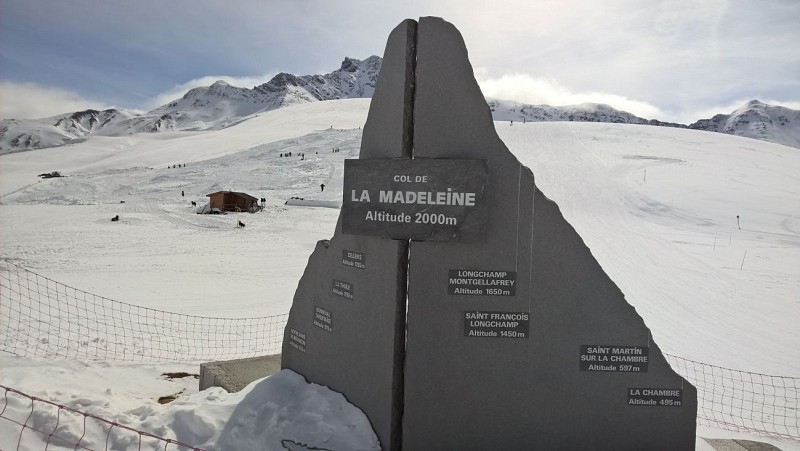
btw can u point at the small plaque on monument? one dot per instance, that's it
(496, 324)
(297, 340)
(323, 319)
(663, 397)
(622, 359)
(342, 288)
(420, 199)
(354, 259)
(482, 283)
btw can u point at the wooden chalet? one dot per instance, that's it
(232, 201)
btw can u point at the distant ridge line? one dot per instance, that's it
(222, 105)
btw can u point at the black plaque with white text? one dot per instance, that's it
(354, 259)
(297, 340)
(476, 282)
(622, 359)
(323, 319)
(496, 324)
(420, 199)
(342, 288)
(656, 397)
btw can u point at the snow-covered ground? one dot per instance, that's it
(657, 206)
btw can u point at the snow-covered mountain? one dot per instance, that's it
(207, 108)
(758, 120)
(504, 110)
(221, 105)
(754, 119)
(25, 134)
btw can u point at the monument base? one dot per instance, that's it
(234, 375)
(739, 445)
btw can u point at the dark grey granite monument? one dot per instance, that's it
(514, 338)
(346, 327)
(520, 341)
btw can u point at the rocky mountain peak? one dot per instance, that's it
(349, 64)
(759, 120)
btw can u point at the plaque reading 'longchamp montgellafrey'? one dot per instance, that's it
(622, 359)
(476, 282)
(420, 199)
(496, 324)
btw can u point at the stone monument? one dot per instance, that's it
(455, 305)
(346, 327)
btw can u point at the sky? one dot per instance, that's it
(675, 60)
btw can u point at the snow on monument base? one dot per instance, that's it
(514, 338)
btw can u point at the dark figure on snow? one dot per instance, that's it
(322, 187)
(115, 218)
(241, 224)
(181, 193)
(194, 204)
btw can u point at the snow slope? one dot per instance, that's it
(657, 206)
(158, 228)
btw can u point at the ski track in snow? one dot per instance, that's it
(657, 207)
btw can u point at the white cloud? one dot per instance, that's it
(792, 105)
(179, 90)
(33, 101)
(526, 89)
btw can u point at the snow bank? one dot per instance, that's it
(278, 411)
(275, 413)
(296, 202)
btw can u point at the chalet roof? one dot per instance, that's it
(245, 195)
